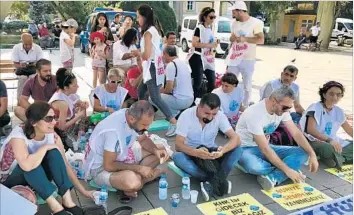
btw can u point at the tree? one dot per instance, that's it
(162, 10)
(19, 9)
(344, 9)
(325, 15)
(39, 11)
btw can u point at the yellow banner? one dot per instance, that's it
(235, 205)
(296, 196)
(346, 173)
(157, 211)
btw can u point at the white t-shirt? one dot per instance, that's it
(156, 40)
(113, 100)
(248, 29)
(230, 102)
(113, 134)
(327, 123)
(188, 126)
(20, 55)
(119, 50)
(66, 52)
(270, 86)
(183, 87)
(315, 30)
(256, 120)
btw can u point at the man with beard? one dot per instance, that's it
(40, 87)
(197, 128)
(246, 33)
(273, 164)
(287, 78)
(121, 155)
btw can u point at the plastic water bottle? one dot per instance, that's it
(104, 197)
(97, 117)
(186, 188)
(163, 187)
(88, 133)
(82, 142)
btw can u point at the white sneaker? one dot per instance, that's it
(171, 130)
(265, 182)
(205, 187)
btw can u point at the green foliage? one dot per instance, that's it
(19, 9)
(271, 8)
(161, 9)
(344, 9)
(15, 25)
(39, 11)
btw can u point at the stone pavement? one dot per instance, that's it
(315, 68)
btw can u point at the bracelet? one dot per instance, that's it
(328, 140)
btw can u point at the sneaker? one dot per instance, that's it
(205, 187)
(171, 130)
(265, 182)
(229, 187)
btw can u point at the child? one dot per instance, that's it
(99, 54)
(67, 42)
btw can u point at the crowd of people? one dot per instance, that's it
(121, 155)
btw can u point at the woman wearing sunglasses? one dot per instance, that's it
(201, 58)
(109, 97)
(68, 107)
(321, 123)
(38, 157)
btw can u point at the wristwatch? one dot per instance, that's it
(328, 140)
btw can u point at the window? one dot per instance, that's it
(185, 23)
(190, 5)
(306, 24)
(340, 26)
(224, 27)
(192, 24)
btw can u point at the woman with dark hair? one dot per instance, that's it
(125, 53)
(321, 122)
(127, 24)
(201, 58)
(101, 25)
(153, 66)
(68, 107)
(38, 157)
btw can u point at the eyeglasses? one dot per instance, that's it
(332, 94)
(115, 82)
(50, 118)
(284, 108)
(212, 17)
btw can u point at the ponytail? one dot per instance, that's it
(29, 130)
(159, 27)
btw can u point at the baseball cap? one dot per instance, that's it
(70, 23)
(239, 5)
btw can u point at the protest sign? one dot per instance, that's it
(156, 211)
(346, 173)
(243, 204)
(296, 196)
(342, 206)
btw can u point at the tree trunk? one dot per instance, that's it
(248, 4)
(275, 28)
(325, 15)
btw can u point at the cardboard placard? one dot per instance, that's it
(346, 173)
(156, 211)
(235, 205)
(296, 196)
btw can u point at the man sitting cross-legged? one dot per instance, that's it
(113, 159)
(273, 164)
(198, 155)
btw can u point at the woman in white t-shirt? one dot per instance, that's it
(34, 155)
(153, 66)
(67, 43)
(231, 98)
(110, 96)
(321, 122)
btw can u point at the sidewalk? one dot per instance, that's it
(310, 78)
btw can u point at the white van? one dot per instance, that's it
(221, 29)
(343, 26)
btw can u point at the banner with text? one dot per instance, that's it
(157, 211)
(296, 196)
(346, 173)
(342, 206)
(235, 205)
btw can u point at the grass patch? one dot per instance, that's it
(9, 39)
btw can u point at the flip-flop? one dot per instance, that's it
(124, 210)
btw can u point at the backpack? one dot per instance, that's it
(282, 137)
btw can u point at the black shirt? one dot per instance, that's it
(197, 34)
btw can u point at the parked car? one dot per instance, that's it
(85, 33)
(343, 31)
(221, 30)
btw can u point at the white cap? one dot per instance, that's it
(239, 5)
(70, 23)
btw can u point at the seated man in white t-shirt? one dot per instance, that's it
(178, 90)
(231, 98)
(197, 153)
(273, 164)
(114, 158)
(287, 78)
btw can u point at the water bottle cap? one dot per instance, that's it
(163, 175)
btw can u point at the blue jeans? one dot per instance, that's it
(254, 161)
(185, 163)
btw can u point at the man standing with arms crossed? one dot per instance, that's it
(246, 33)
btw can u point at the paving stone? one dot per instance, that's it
(277, 209)
(331, 194)
(343, 190)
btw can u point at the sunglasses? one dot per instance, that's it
(50, 118)
(115, 82)
(284, 108)
(212, 17)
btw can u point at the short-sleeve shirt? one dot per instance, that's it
(257, 121)
(36, 91)
(230, 102)
(183, 87)
(197, 34)
(315, 31)
(66, 52)
(270, 86)
(188, 126)
(133, 73)
(20, 55)
(119, 50)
